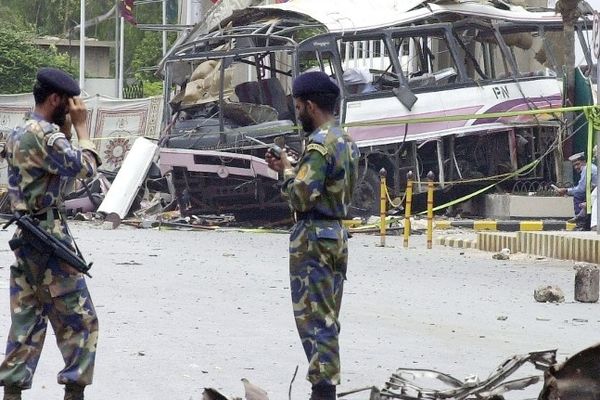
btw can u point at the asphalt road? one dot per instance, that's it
(183, 310)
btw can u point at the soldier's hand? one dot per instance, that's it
(274, 163)
(78, 113)
(285, 159)
(66, 127)
(562, 191)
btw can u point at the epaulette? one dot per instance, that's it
(48, 127)
(319, 137)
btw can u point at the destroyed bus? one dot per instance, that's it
(392, 60)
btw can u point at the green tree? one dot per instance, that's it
(147, 55)
(143, 49)
(20, 60)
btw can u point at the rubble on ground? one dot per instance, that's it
(549, 294)
(504, 254)
(576, 378)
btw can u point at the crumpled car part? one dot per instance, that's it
(406, 384)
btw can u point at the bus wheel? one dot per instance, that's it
(366, 197)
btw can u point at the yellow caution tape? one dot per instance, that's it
(485, 189)
(466, 117)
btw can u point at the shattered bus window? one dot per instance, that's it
(482, 54)
(524, 47)
(425, 59)
(366, 64)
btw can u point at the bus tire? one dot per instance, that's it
(366, 196)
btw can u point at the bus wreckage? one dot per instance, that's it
(392, 60)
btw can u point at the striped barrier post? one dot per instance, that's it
(430, 178)
(383, 205)
(407, 209)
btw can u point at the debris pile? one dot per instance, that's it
(576, 378)
(549, 294)
(504, 254)
(423, 384)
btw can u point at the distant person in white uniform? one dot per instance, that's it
(578, 192)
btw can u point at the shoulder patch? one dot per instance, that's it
(317, 147)
(54, 137)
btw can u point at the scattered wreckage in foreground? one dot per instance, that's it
(578, 378)
(409, 59)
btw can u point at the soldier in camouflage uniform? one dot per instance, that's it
(319, 189)
(41, 160)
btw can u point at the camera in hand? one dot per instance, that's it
(275, 151)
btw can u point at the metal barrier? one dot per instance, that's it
(408, 208)
(430, 177)
(383, 208)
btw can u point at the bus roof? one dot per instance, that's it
(360, 15)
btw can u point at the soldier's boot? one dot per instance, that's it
(74, 391)
(12, 393)
(323, 392)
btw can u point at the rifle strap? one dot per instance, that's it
(74, 242)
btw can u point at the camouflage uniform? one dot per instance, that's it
(319, 190)
(43, 288)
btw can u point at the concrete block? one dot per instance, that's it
(506, 206)
(586, 284)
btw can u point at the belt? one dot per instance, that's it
(44, 215)
(315, 215)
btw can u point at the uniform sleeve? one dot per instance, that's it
(580, 188)
(304, 186)
(62, 158)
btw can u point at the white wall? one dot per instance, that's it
(103, 87)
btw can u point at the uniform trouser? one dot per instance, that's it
(577, 200)
(318, 261)
(43, 289)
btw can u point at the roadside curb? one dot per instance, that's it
(507, 226)
(559, 245)
(455, 242)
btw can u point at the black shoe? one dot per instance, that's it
(74, 391)
(12, 393)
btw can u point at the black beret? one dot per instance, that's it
(314, 82)
(58, 80)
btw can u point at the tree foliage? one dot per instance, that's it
(24, 20)
(20, 60)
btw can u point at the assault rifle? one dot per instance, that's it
(45, 243)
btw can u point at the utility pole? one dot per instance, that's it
(596, 51)
(164, 32)
(117, 44)
(568, 10)
(82, 46)
(121, 55)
